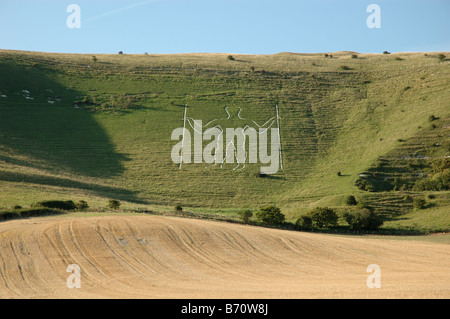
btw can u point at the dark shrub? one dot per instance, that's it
(245, 215)
(34, 212)
(178, 208)
(8, 215)
(303, 223)
(323, 217)
(351, 200)
(270, 215)
(354, 56)
(440, 165)
(17, 207)
(441, 57)
(363, 219)
(114, 204)
(57, 204)
(438, 182)
(419, 203)
(29, 212)
(120, 52)
(432, 118)
(344, 67)
(82, 205)
(230, 57)
(94, 58)
(386, 52)
(407, 199)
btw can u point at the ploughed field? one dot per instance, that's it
(167, 257)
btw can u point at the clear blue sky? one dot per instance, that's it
(228, 26)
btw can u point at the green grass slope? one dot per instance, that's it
(75, 128)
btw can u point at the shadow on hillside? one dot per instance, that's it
(100, 190)
(52, 136)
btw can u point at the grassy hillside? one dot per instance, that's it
(75, 127)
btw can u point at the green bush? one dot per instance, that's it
(432, 118)
(438, 182)
(245, 215)
(323, 217)
(351, 200)
(114, 204)
(82, 205)
(365, 185)
(270, 215)
(363, 219)
(407, 199)
(419, 203)
(57, 204)
(303, 222)
(440, 165)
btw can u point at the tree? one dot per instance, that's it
(270, 215)
(351, 200)
(114, 204)
(363, 219)
(303, 222)
(432, 118)
(323, 217)
(82, 205)
(245, 215)
(419, 203)
(440, 165)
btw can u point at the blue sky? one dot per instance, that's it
(228, 26)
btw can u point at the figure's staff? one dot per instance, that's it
(279, 137)
(182, 140)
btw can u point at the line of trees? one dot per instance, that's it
(360, 218)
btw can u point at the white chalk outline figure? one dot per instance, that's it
(193, 123)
